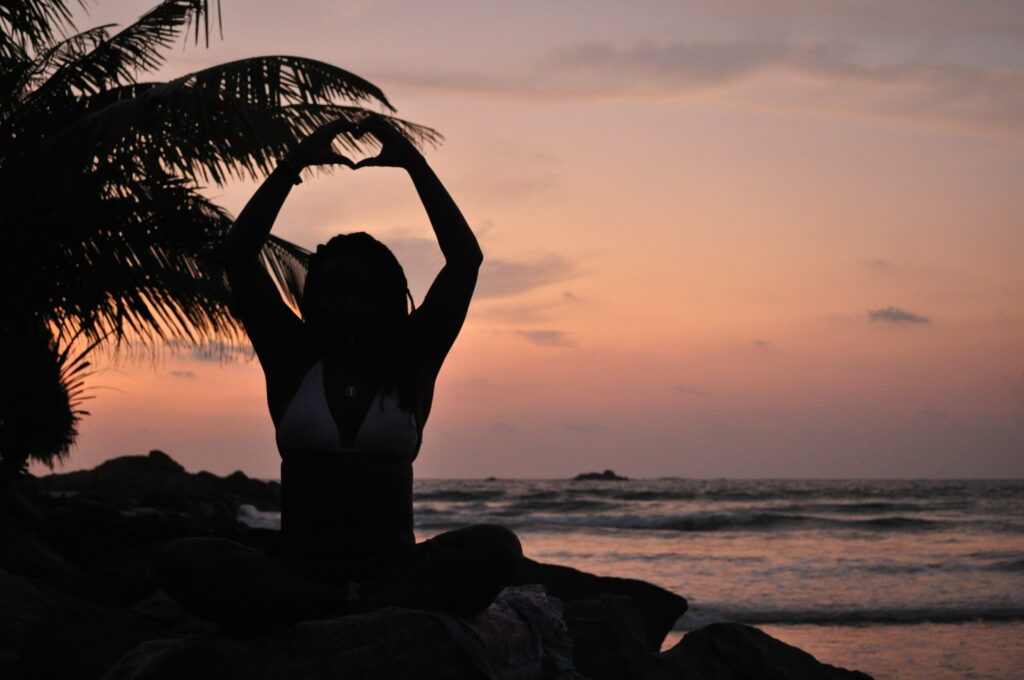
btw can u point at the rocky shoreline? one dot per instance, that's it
(78, 599)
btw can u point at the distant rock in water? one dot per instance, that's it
(607, 475)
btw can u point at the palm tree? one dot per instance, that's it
(106, 238)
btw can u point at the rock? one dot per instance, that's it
(609, 638)
(157, 481)
(400, 646)
(23, 552)
(607, 633)
(107, 521)
(390, 643)
(46, 634)
(732, 651)
(90, 537)
(658, 608)
(607, 475)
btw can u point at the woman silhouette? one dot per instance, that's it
(349, 387)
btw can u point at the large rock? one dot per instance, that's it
(731, 651)
(658, 608)
(513, 640)
(608, 637)
(157, 481)
(47, 634)
(401, 646)
(106, 523)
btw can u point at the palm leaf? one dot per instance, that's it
(117, 60)
(26, 76)
(31, 24)
(148, 265)
(287, 264)
(230, 121)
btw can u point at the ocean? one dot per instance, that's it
(897, 578)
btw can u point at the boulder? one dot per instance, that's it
(46, 634)
(609, 638)
(658, 608)
(520, 637)
(732, 651)
(158, 481)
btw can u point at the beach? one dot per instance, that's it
(899, 578)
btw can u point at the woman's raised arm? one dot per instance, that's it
(440, 316)
(272, 327)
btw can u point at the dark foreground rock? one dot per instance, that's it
(511, 640)
(46, 634)
(77, 594)
(731, 651)
(657, 608)
(607, 637)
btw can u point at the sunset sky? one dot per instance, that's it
(747, 238)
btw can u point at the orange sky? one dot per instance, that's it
(689, 212)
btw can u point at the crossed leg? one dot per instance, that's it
(459, 572)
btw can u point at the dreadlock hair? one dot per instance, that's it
(393, 354)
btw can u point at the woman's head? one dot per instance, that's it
(355, 291)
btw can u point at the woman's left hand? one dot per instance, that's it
(316, 148)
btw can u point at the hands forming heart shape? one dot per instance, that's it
(396, 151)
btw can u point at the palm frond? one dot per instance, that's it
(230, 121)
(118, 59)
(287, 264)
(149, 267)
(34, 72)
(31, 24)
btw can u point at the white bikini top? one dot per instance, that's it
(308, 427)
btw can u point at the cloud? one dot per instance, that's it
(499, 276)
(832, 77)
(909, 19)
(548, 338)
(212, 351)
(896, 315)
(527, 313)
(517, 314)
(183, 374)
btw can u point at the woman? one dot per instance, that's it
(349, 386)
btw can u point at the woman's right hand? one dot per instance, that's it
(316, 148)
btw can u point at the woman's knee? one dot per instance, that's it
(495, 547)
(502, 544)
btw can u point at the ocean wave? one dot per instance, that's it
(695, 521)
(1007, 565)
(254, 518)
(864, 507)
(570, 506)
(459, 495)
(842, 494)
(704, 615)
